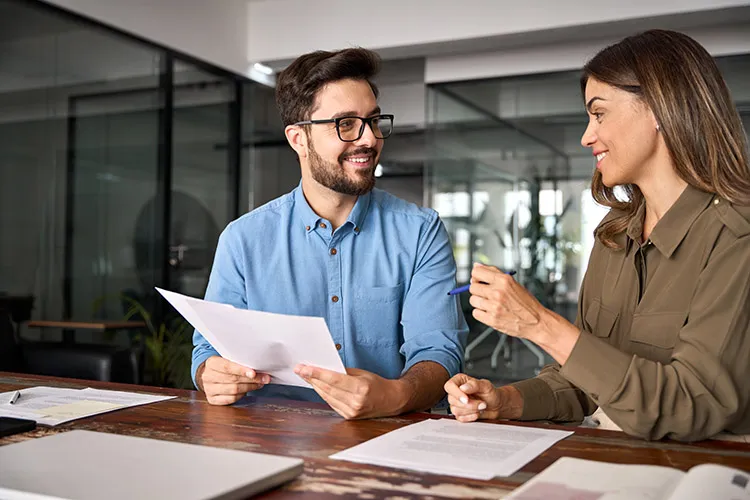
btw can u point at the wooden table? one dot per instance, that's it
(313, 432)
(68, 326)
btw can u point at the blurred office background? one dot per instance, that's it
(132, 133)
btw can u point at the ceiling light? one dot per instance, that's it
(378, 170)
(266, 70)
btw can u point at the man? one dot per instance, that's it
(377, 268)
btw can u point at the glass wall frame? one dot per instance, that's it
(103, 126)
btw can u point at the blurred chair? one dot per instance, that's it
(503, 346)
(85, 361)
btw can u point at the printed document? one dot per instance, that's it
(266, 342)
(54, 405)
(444, 446)
(574, 478)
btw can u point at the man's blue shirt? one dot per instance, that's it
(380, 281)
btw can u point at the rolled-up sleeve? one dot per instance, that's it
(434, 327)
(703, 389)
(551, 396)
(226, 284)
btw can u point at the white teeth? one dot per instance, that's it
(600, 156)
(358, 160)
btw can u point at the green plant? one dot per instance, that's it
(167, 342)
(168, 346)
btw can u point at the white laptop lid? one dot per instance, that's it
(94, 465)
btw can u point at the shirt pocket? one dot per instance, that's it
(376, 314)
(600, 320)
(657, 329)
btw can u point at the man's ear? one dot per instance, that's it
(297, 139)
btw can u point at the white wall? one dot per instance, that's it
(722, 40)
(212, 31)
(283, 29)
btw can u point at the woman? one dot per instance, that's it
(662, 339)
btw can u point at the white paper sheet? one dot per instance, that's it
(267, 342)
(445, 446)
(573, 478)
(54, 406)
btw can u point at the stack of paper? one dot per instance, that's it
(577, 479)
(54, 406)
(472, 450)
(266, 342)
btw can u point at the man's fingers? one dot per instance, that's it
(310, 373)
(331, 390)
(217, 377)
(220, 364)
(231, 389)
(223, 400)
(338, 406)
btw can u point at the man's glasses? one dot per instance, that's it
(351, 128)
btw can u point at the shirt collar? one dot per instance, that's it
(310, 219)
(306, 214)
(675, 224)
(359, 212)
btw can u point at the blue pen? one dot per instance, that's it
(465, 288)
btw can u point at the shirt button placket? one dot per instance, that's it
(336, 310)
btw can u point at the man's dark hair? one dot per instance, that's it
(298, 84)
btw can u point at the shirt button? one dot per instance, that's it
(338, 347)
(307, 228)
(335, 298)
(323, 225)
(356, 229)
(333, 251)
(716, 201)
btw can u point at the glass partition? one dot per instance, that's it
(509, 177)
(120, 163)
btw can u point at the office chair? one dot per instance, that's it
(504, 347)
(90, 362)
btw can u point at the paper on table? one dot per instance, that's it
(573, 478)
(122, 398)
(472, 450)
(33, 398)
(13, 412)
(79, 409)
(267, 342)
(54, 406)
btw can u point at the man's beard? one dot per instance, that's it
(334, 176)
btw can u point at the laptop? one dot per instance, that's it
(94, 465)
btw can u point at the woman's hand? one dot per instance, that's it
(500, 302)
(473, 399)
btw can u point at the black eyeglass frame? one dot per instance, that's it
(365, 121)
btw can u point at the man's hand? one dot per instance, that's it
(358, 394)
(225, 382)
(473, 399)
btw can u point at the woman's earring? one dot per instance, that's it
(657, 127)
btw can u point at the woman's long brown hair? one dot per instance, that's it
(680, 82)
